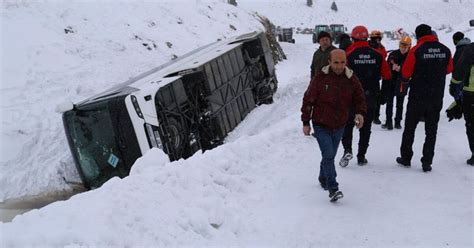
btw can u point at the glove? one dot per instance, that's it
(454, 111)
(455, 90)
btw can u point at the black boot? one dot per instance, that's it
(388, 124)
(403, 162)
(471, 160)
(361, 160)
(426, 167)
(377, 121)
(397, 125)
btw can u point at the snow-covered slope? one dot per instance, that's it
(261, 190)
(61, 51)
(386, 15)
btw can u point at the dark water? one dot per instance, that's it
(13, 207)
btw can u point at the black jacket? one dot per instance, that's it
(396, 58)
(427, 64)
(464, 69)
(459, 48)
(369, 65)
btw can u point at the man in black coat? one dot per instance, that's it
(427, 65)
(460, 42)
(393, 88)
(462, 89)
(370, 66)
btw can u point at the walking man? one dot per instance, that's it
(326, 102)
(369, 65)
(427, 65)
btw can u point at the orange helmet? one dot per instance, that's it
(405, 40)
(376, 34)
(360, 33)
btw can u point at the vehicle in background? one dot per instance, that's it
(471, 23)
(286, 35)
(304, 30)
(318, 29)
(336, 31)
(186, 105)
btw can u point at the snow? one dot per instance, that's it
(105, 49)
(387, 15)
(258, 189)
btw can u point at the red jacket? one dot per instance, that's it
(329, 98)
(381, 50)
(409, 66)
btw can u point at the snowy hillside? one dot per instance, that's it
(259, 188)
(63, 51)
(375, 14)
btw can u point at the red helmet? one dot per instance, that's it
(360, 33)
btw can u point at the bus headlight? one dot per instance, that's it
(153, 136)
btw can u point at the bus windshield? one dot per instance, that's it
(94, 143)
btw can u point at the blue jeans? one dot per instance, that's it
(328, 141)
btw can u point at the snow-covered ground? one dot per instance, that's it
(258, 189)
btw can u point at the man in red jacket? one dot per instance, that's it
(426, 67)
(327, 101)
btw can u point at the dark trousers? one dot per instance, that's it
(364, 132)
(399, 107)
(377, 110)
(378, 101)
(328, 141)
(431, 113)
(468, 110)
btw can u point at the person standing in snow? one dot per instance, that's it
(462, 89)
(376, 43)
(455, 88)
(394, 88)
(460, 42)
(344, 41)
(327, 102)
(320, 57)
(427, 64)
(369, 65)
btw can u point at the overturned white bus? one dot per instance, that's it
(185, 105)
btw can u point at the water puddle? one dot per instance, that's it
(13, 207)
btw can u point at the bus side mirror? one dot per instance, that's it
(471, 23)
(64, 107)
